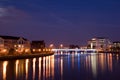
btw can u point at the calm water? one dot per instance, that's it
(68, 67)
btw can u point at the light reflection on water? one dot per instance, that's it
(62, 67)
(26, 68)
(34, 60)
(16, 67)
(39, 68)
(5, 63)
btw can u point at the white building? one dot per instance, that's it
(99, 43)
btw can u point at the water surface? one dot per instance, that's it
(63, 67)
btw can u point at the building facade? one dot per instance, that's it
(73, 47)
(99, 43)
(38, 46)
(14, 44)
(116, 46)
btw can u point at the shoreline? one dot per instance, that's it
(24, 56)
(109, 52)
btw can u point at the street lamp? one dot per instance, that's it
(61, 45)
(51, 45)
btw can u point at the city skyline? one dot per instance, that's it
(60, 22)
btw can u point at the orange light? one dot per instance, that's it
(26, 50)
(46, 49)
(19, 45)
(39, 50)
(49, 49)
(5, 50)
(33, 50)
(43, 49)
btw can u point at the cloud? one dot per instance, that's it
(12, 14)
(2, 12)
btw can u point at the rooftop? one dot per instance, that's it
(11, 37)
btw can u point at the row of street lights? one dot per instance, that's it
(52, 46)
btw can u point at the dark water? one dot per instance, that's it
(68, 67)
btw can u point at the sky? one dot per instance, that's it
(61, 21)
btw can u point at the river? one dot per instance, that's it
(74, 66)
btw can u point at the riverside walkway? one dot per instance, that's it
(24, 56)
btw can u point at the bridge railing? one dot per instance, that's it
(55, 50)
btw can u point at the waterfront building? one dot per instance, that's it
(73, 46)
(116, 46)
(99, 43)
(83, 47)
(38, 46)
(11, 44)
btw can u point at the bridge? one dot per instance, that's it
(74, 50)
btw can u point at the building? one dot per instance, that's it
(99, 43)
(116, 46)
(10, 44)
(37, 46)
(73, 46)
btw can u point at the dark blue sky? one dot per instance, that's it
(61, 21)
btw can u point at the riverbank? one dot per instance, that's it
(113, 52)
(24, 56)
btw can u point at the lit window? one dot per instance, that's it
(15, 45)
(19, 45)
(46, 49)
(49, 49)
(33, 50)
(39, 50)
(26, 50)
(5, 50)
(43, 49)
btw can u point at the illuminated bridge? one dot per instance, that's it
(74, 50)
